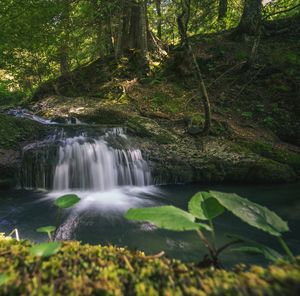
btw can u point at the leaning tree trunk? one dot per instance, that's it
(251, 19)
(133, 31)
(183, 20)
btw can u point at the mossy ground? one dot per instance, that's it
(106, 270)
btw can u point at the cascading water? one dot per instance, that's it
(104, 170)
(85, 163)
(93, 165)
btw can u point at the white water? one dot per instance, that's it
(90, 164)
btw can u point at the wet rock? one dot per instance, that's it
(10, 161)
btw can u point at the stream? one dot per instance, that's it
(111, 175)
(98, 218)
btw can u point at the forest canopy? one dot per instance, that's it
(43, 39)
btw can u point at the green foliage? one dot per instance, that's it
(9, 98)
(48, 230)
(45, 249)
(247, 115)
(166, 217)
(62, 202)
(204, 207)
(67, 201)
(255, 248)
(251, 213)
(4, 278)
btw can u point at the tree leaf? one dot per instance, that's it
(254, 247)
(204, 207)
(265, 251)
(166, 217)
(252, 213)
(46, 229)
(4, 278)
(67, 201)
(45, 249)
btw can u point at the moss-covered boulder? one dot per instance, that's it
(14, 132)
(106, 270)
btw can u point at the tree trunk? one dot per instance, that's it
(158, 11)
(183, 20)
(64, 61)
(251, 19)
(63, 54)
(133, 37)
(222, 12)
(102, 20)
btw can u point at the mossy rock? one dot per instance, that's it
(146, 127)
(14, 130)
(105, 116)
(269, 171)
(267, 150)
(106, 270)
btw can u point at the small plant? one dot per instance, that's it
(247, 115)
(63, 202)
(51, 248)
(205, 206)
(48, 230)
(45, 249)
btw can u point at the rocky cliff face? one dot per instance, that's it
(173, 154)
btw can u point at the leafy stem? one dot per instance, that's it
(206, 243)
(213, 234)
(286, 249)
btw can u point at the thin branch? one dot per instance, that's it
(128, 264)
(281, 11)
(160, 254)
(226, 72)
(249, 82)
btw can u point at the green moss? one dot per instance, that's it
(15, 130)
(277, 154)
(269, 171)
(165, 102)
(105, 116)
(106, 270)
(145, 127)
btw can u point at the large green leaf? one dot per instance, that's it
(45, 249)
(167, 217)
(252, 213)
(46, 229)
(67, 201)
(204, 206)
(253, 247)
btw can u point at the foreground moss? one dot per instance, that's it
(94, 270)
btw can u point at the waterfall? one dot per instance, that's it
(86, 163)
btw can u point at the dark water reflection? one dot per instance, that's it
(98, 219)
